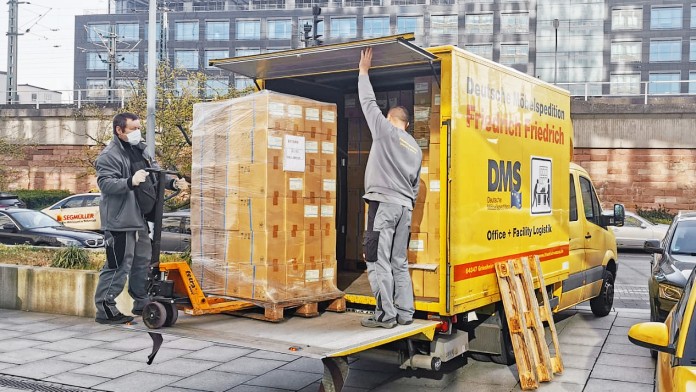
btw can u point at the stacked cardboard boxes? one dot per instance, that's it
(263, 197)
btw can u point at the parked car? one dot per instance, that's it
(77, 211)
(21, 226)
(673, 260)
(8, 200)
(176, 231)
(675, 339)
(636, 230)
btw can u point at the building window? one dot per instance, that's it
(268, 4)
(186, 59)
(271, 50)
(627, 18)
(246, 52)
(514, 23)
(693, 16)
(216, 87)
(485, 51)
(97, 32)
(186, 87)
(409, 24)
(444, 25)
(376, 26)
(513, 54)
(242, 82)
(34, 97)
(217, 31)
(344, 27)
(96, 88)
(692, 49)
(302, 22)
(692, 82)
(626, 52)
(129, 60)
(479, 24)
(248, 29)
(128, 31)
(664, 83)
(187, 31)
(624, 84)
(666, 18)
(215, 54)
(96, 61)
(280, 29)
(665, 50)
(147, 31)
(408, 2)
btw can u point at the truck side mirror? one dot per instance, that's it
(653, 246)
(619, 215)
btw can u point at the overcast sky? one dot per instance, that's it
(46, 53)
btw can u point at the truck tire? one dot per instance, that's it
(601, 305)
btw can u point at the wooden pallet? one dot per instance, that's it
(525, 322)
(307, 307)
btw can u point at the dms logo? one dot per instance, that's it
(504, 176)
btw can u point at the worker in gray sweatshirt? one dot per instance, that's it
(391, 186)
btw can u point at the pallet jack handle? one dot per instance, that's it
(159, 211)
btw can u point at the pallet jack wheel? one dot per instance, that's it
(154, 315)
(172, 315)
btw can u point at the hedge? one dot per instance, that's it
(37, 199)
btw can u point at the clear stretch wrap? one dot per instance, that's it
(263, 197)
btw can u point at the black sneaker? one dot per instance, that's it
(370, 322)
(117, 319)
(404, 322)
(138, 312)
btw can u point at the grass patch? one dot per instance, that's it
(44, 257)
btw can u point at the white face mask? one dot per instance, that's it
(134, 137)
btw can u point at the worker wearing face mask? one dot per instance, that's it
(127, 201)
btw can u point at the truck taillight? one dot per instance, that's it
(443, 327)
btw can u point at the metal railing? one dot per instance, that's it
(643, 89)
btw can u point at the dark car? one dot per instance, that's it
(176, 231)
(8, 200)
(21, 226)
(673, 260)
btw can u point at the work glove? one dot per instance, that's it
(181, 184)
(139, 177)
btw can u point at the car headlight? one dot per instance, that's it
(68, 241)
(670, 292)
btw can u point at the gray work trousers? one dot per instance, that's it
(385, 245)
(128, 255)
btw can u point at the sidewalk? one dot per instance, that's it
(48, 352)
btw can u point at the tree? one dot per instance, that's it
(9, 151)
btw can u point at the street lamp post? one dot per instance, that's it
(555, 52)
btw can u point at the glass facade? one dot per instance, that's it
(187, 31)
(624, 84)
(216, 87)
(664, 83)
(217, 30)
(665, 18)
(247, 52)
(444, 24)
(129, 60)
(627, 18)
(95, 63)
(514, 54)
(186, 59)
(478, 24)
(280, 29)
(248, 29)
(692, 82)
(96, 88)
(692, 49)
(485, 51)
(376, 26)
(409, 24)
(626, 52)
(128, 31)
(344, 27)
(95, 32)
(665, 50)
(517, 23)
(185, 87)
(212, 54)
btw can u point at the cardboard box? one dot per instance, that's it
(436, 98)
(264, 282)
(328, 151)
(422, 90)
(312, 215)
(417, 280)
(329, 122)
(312, 252)
(433, 249)
(328, 188)
(434, 217)
(258, 247)
(312, 117)
(312, 277)
(419, 218)
(434, 159)
(329, 274)
(418, 248)
(262, 180)
(328, 245)
(312, 149)
(261, 213)
(312, 178)
(435, 127)
(294, 214)
(294, 246)
(328, 214)
(431, 283)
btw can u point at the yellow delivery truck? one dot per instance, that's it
(497, 183)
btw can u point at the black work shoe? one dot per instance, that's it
(138, 312)
(117, 319)
(404, 322)
(370, 322)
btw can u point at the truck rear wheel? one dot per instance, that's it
(601, 305)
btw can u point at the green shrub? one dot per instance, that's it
(37, 199)
(657, 215)
(72, 258)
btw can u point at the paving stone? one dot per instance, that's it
(585, 351)
(254, 388)
(181, 367)
(583, 331)
(170, 388)
(138, 381)
(131, 344)
(212, 381)
(5, 365)
(34, 327)
(247, 365)
(406, 387)
(9, 334)
(21, 357)
(88, 328)
(626, 321)
(18, 344)
(489, 373)
(585, 320)
(111, 335)
(641, 362)
(263, 354)
(581, 340)
(623, 373)
(52, 336)
(572, 376)
(112, 368)
(556, 385)
(579, 361)
(69, 345)
(309, 365)
(315, 387)
(598, 385)
(218, 353)
(90, 355)
(618, 339)
(625, 349)
(185, 343)
(75, 379)
(623, 331)
(164, 354)
(364, 379)
(292, 380)
(42, 369)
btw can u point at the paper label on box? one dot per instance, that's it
(276, 109)
(329, 186)
(329, 116)
(416, 245)
(421, 114)
(275, 142)
(434, 186)
(421, 87)
(436, 100)
(312, 114)
(311, 211)
(328, 273)
(296, 184)
(327, 211)
(424, 170)
(312, 147)
(294, 111)
(327, 148)
(312, 275)
(294, 153)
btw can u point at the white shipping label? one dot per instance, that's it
(329, 116)
(327, 211)
(329, 186)
(416, 245)
(312, 114)
(311, 211)
(421, 114)
(328, 273)
(436, 101)
(434, 186)
(275, 142)
(296, 184)
(294, 153)
(276, 109)
(327, 148)
(312, 147)
(311, 275)
(294, 111)
(421, 87)
(424, 170)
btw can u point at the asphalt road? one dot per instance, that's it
(631, 287)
